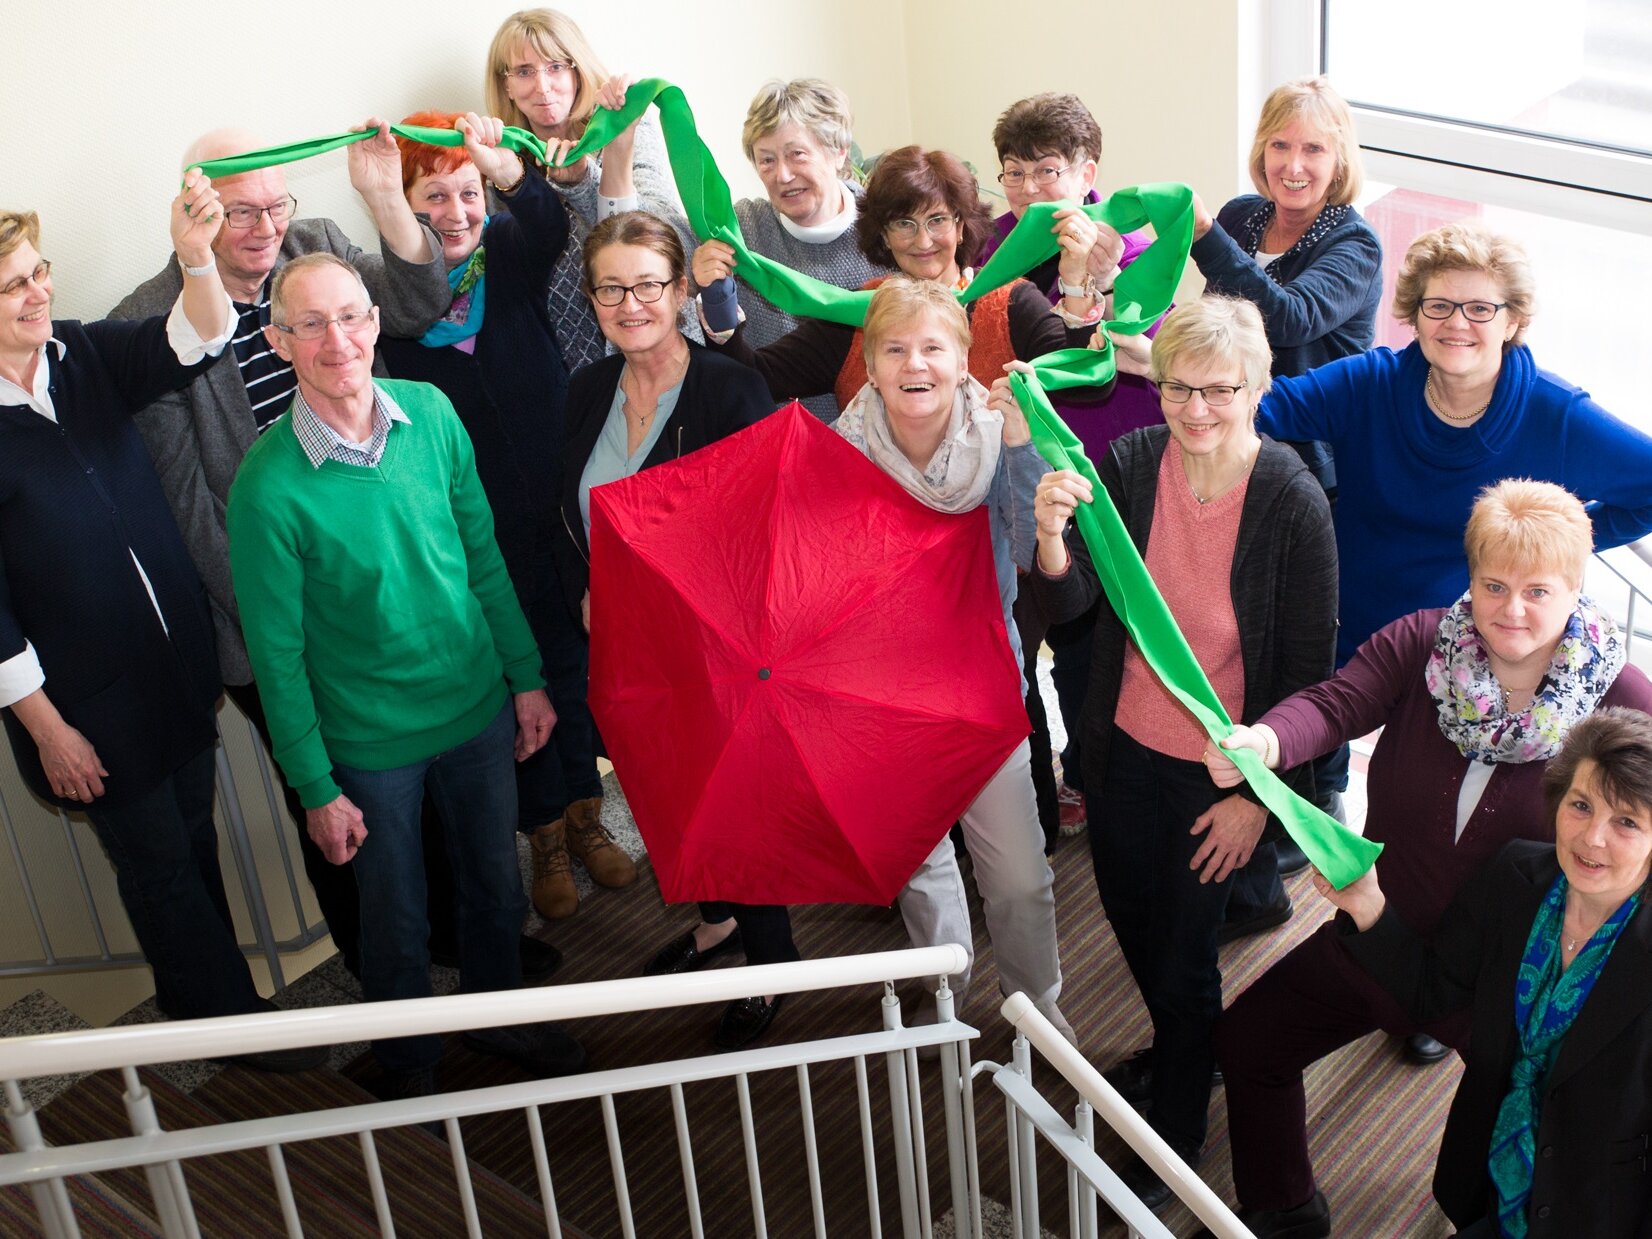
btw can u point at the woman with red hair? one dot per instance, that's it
(495, 355)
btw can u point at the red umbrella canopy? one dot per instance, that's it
(801, 673)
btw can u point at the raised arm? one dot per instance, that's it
(376, 173)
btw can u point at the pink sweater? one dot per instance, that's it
(1190, 557)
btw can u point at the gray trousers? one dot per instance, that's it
(1006, 844)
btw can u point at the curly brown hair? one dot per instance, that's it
(906, 181)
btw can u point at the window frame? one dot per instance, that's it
(1526, 172)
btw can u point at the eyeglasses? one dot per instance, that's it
(935, 226)
(555, 70)
(1439, 309)
(646, 293)
(313, 327)
(1038, 176)
(1215, 395)
(37, 276)
(247, 216)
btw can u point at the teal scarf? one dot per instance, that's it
(464, 314)
(1546, 1001)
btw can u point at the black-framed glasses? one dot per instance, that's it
(646, 293)
(935, 226)
(1440, 309)
(1038, 176)
(37, 276)
(556, 70)
(313, 326)
(1215, 395)
(247, 216)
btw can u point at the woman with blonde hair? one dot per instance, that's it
(1237, 534)
(544, 76)
(1473, 700)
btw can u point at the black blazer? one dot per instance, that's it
(719, 397)
(78, 498)
(1283, 583)
(1594, 1135)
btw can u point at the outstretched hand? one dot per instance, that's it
(482, 136)
(1362, 899)
(375, 163)
(196, 217)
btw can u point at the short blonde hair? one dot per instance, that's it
(1533, 525)
(811, 102)
(900, 300)
(1215, 329)
(1468, 246)
(1314, 101)
(17, 227)
(555, 36)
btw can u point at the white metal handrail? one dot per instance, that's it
(1076, 1143)
(45, 1170)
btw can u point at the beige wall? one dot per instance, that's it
(103, 95)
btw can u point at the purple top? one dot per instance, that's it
(1416, 773)
(1133, 403)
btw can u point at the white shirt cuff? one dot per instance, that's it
(186, 341)
(607, 206)
(20, 675)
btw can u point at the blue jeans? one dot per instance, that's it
(164, 848)
(474, 787)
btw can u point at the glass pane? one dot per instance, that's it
(1586, 328)
(1580, 74)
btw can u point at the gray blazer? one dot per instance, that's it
(197, 436)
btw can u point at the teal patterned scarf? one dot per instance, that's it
(1546, 1001)
(463, 319)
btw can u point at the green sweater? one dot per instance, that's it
(380, 622)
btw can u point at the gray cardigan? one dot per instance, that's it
(198, 436)
(1284, 585)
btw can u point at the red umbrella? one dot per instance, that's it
(800, 672)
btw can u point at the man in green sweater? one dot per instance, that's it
(392, 655)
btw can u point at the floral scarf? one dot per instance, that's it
(960, 473)
(1469, 699)
(1546, 1001)
(1254, 228)
(463, 319)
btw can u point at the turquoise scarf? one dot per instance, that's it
(464, 314)
(1546, 1001)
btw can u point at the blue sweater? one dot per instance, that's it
(77, 499)
(1408, 480)
(1326, 306)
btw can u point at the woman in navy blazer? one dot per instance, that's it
(1576, 1097)
(108, 662)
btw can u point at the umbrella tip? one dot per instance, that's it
(763, 673)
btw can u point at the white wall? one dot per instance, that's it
(102, 96)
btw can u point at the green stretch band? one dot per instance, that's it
(1337, 852)
(1143, 292)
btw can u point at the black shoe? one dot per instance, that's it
(681, 955)
(1133, 1078)
(539, 959)
(284, 1062)
(1274, 914)
(400, 1085)
(1311, 1220)
(1151, 1190)
(745, 1020)
(541, 1049)
(1422, 1049)
(1289, 858)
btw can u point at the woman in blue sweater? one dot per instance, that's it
(1418, 432)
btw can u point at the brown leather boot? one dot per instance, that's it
(607, 861)
(554, 896)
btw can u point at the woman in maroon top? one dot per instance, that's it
(1473, 700)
